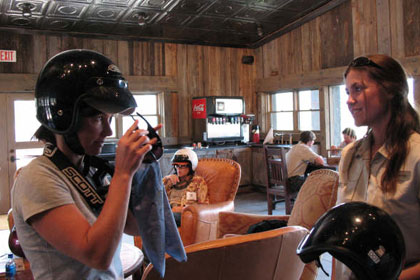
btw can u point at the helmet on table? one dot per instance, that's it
(76, 78)
(186, 155)
(363, 237)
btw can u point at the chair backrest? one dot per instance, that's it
(264, 256)
(317, 195)
(275, 161)
(222, 177)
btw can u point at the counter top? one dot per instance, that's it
(109, 148)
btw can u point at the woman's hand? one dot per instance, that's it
(173, 178)
(131, 149)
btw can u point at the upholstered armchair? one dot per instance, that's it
(317, 195)
(199, 221)
(269, 255)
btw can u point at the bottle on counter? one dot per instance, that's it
(10, 267)
(256, 134)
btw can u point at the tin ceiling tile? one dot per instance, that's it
(237, 23)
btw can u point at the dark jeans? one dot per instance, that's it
(295, 183)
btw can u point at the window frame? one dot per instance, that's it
(159, 114)
(296, 108)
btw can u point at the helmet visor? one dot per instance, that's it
(109, 95)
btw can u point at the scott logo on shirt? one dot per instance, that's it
(83, 186)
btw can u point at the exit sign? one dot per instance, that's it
(7, 56)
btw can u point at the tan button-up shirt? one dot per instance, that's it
(360, 180)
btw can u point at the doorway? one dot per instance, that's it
(17, 148)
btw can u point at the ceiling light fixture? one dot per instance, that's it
(141, 18)
(260, 31)
(27, 9)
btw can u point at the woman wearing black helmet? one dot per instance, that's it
(183, 187)
(65, 226)
(383, 168)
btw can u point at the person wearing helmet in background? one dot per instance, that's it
(67, 229)
(183, 187)
(383, 168)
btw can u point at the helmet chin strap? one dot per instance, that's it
(72, 141)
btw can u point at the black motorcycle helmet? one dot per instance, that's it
(79, 78)
(363, 237)
(76, 76)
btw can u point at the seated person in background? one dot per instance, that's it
(349, 136)
(298, 158)
(183, 187)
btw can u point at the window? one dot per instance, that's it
(147, 105)
(282, 111)
(309, 110)
(303, 105)
(340, 116)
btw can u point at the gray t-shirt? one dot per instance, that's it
(41, 186)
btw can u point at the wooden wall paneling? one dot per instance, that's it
(397, 28)
(171, 116)
(184, 116)
(295, 51)
(194, 75)
(247, 82)
(39, 52)
(259, 62)
(214, 74)
(225, 73)
(93, 44)
(206, 70)
(110, 50)
(383, 27)
(271, 58)
(72, 42)
(364, 27)
(233, 66)
(331, 76)
(123, 57)
(138, 60)
(283, 57)
(54, 46)
(158, 59)
(170, 59)
(25, 49)
(411, 19)
(144, 59)
(152, 83)
(311, 42)
(337, 36)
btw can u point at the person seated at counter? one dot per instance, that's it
(349, 136)
(183, 187)
(300, 158)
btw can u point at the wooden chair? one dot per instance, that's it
(317, 195)
(264, 256)
(277, 185)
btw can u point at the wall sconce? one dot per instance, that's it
(27, 9)
(141, 18)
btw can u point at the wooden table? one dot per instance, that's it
(131, 259)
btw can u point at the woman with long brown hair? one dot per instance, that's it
(383, 168)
